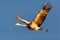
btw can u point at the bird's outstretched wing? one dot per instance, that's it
(23, 20)
(40, 17)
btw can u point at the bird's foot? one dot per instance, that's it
(16, 23)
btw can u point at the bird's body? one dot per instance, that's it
(38, 20)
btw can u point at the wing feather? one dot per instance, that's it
(40, 17)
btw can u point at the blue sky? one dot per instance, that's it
(27, 9)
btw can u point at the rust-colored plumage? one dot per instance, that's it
(38, 20)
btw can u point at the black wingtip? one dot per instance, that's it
(47, 6)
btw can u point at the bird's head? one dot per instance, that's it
(41, 29)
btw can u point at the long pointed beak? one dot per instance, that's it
(46, 30)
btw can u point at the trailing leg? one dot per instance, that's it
(17, 24)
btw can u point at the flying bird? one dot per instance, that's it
(38, 20)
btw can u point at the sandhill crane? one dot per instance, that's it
(37, 21)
